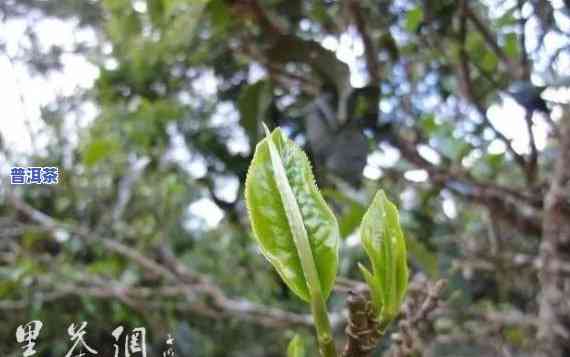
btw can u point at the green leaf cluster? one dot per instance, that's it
(299, 235)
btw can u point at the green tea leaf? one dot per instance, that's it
(374, 285)
(97, 150)
(286, 209)
(351, 211)
(219, 14)
(508, 18)
(156, 11)
(414, 18)
(296, 347)
(384, 243)
(489, 62)
(425, 259)
(253, 103)
(512, 45)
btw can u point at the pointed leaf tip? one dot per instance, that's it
(266, 129)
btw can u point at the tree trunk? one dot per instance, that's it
(554, 298)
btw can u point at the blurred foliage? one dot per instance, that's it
(183, 86)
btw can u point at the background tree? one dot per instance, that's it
(183, 86)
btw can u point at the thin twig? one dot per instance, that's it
(490, 39)
(370, 51)
(193, 282)
(468, 92)
(532, 165)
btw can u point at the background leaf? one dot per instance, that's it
(414, 18)
(296, 347)
(98, 150)
(253, 102)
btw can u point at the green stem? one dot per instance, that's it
(323, 327)
(301, 239)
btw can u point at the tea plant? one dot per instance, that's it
(299, 235)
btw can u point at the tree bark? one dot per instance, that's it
(362, 330)
(554, 298)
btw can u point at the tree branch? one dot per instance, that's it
(532, 165)
(466, 84)
(490, 39)
(554, 305)
(185, 282)
(362, 329)
(504, 202)
(423, 298)
(370, 51)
